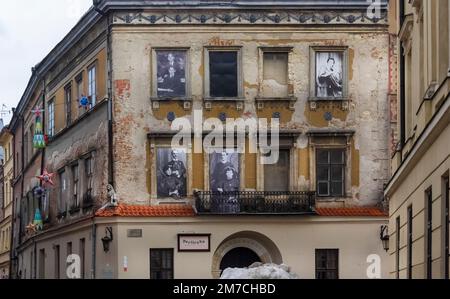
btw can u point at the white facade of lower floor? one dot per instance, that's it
(354, 243)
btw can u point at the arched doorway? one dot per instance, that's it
(239, 257)
(242, 249)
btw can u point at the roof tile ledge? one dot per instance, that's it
(124, 210)
(179, 210)
(352, 212)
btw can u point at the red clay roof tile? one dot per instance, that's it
(174, 210)
(147, 211)
(351, 212)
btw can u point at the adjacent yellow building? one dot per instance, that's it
(419, 189)
(6, 206)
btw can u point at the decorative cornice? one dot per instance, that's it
(247, 18)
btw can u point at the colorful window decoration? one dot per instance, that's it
(39, 138)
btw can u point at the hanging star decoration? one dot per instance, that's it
(46, 178)
(37, 111)
(31, 228)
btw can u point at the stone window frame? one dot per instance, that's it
(335, 144)
(206, 166)
(187, 99)
(207, 96)
(313, 99)
(165, 142)
(290, 98)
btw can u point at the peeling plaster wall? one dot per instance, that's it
(90, 135)
(368, 89)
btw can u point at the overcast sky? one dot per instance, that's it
(29, 29)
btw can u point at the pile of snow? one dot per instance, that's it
(260, 271)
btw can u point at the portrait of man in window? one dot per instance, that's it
(171, 178)
(219, 164)
(171, 74)
(329, 75)
(225, 181)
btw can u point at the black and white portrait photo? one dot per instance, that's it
(224, 171)
(329, 75)
(225, 181)
(171, 169)
(171, 73)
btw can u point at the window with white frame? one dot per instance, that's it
(51, 118)
(92, 85)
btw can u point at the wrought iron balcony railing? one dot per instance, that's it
(255, 203)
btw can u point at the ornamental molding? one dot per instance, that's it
(248, 18)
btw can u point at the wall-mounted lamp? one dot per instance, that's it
(107, 239)
(384, 237)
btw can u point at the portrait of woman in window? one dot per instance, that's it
(329, 75)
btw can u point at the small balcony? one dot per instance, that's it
(255, 203)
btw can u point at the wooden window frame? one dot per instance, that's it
(334, 271)
(330, 165)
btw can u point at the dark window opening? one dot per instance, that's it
(327, 263)
(57, 262)
(429, 239)
(42, 264)
(447, 228)
(68, 104)
(161, 264)
(397, 247)
(223, 69)
(410, 241)
(82, 257)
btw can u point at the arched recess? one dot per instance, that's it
(264, 247)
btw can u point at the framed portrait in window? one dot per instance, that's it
(171, 164)
(170, 73)
(329, 68)
(224, 171)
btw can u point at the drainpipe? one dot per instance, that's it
(110, 98)
(110, 104)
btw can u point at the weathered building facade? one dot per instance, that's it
(321, 70)
(419, 189)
